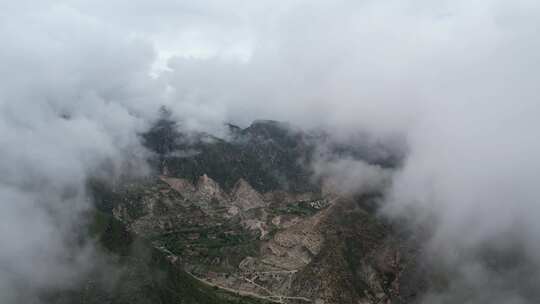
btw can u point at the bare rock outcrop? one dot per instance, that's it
(245, 197)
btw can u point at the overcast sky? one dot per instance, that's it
(457, 79)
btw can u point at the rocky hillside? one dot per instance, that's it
(244, 216)
(269, 155)
(240, 219)
(281, 246)
(132, 271)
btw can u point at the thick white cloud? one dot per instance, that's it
(73, 93)
(457, 78)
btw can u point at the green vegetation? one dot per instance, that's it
(137, 273)
(209, 246)
(301, 208)
(268, 154)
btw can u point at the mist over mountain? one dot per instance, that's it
(365, 150)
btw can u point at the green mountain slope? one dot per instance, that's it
(137, 273)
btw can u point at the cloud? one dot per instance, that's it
(73, 96)
(349, 176)
(457, 79)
